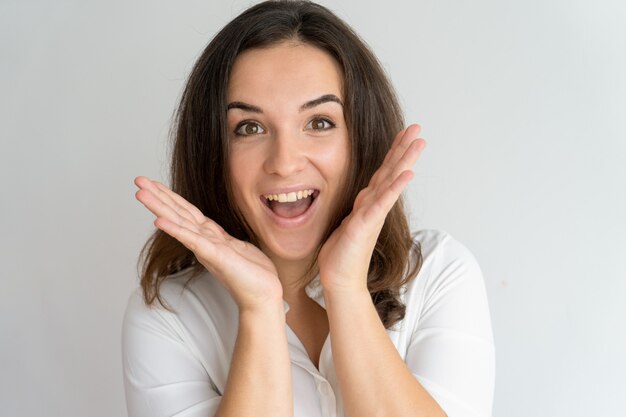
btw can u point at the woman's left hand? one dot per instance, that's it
(345, 257)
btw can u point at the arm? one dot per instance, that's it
(259, 380)
(373, 379)
(450, 351)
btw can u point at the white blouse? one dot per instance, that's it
(177, 363)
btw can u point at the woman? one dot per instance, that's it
(283, 279)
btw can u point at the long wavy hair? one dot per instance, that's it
(199, 165)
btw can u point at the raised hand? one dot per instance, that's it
(344, 258)
(244, 270)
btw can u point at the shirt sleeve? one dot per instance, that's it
(451, 351)
(162, 375)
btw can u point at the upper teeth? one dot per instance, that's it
(289, 197)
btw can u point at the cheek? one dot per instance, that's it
(237, 166)
(337, 159)
(242, 172)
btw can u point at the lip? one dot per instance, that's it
(291, 222)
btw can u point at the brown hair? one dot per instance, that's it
(199, 170)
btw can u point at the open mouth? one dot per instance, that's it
(290, 205)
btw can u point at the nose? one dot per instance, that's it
(285, 155)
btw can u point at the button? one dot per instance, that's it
(324, 388)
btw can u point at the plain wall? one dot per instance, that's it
(523, 105)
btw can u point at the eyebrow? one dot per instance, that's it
(321, 100)
(308, 105)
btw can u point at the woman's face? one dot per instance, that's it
(289, 145)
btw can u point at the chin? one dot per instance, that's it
(291, 250)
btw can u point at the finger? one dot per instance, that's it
(377, 211)
(200, 245)
(395, 153)
(162, 209)
(166, 196)
(385, 177)
(405, 166)
(177, 203)
(173, 200)
(395, 143)
(141, 180)
(193, 210)
(401, 143)
(408, 159)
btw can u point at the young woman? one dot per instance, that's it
(283, 279)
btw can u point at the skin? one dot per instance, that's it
(301, 142)
(284, 150)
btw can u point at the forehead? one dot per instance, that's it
(287, 71)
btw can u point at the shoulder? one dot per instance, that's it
(195, 306)
(444, 259)
(449, 285)
(438, 245)
(193, 338)
(145, 322)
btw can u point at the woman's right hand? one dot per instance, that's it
(246, 272)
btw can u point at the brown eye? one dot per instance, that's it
(251, 129)
(320, 124)
(248, 129)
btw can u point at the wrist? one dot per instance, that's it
(270, 310)
(343, 284)
(346, 293)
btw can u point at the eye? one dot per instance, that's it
(248, 128)
(320, 123)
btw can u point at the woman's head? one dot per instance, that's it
(200, 160)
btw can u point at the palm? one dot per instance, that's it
(247, 273)
(241, 267)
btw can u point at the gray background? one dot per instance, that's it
(522, 104)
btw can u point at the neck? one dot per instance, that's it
(293, 277)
